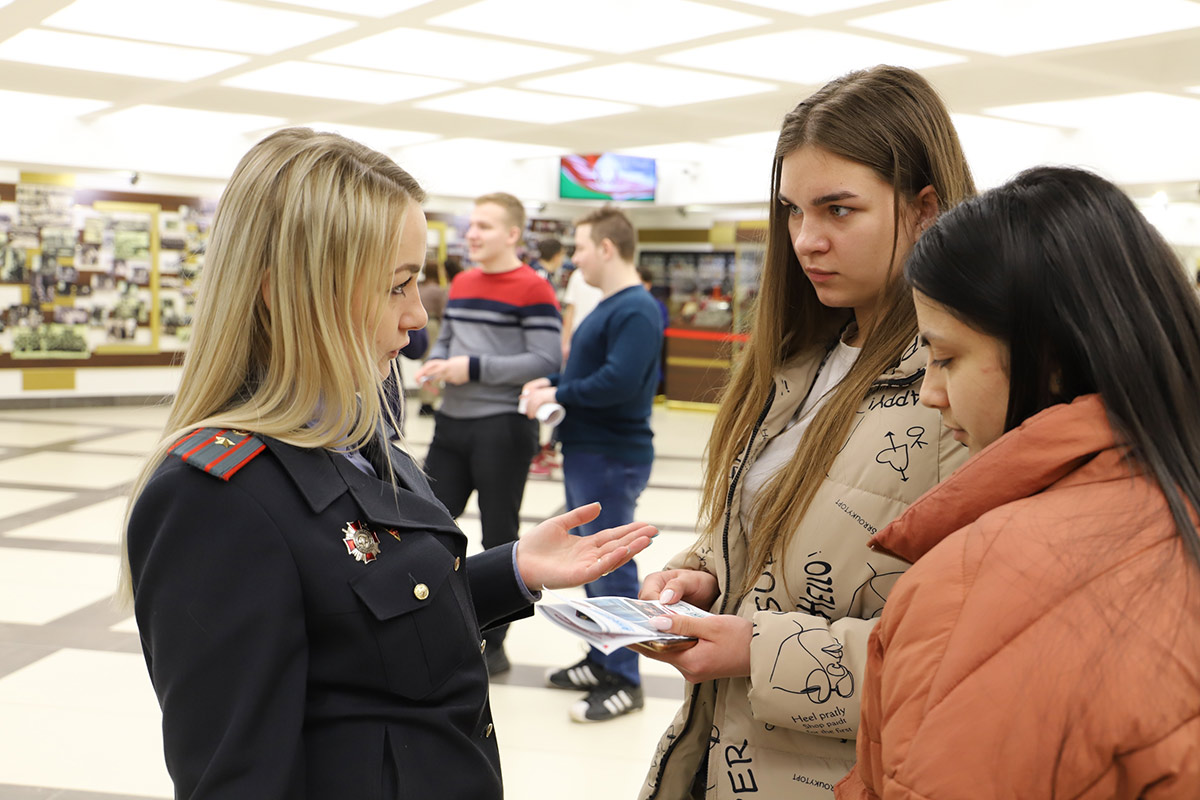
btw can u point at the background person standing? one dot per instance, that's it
(433, 296)
(579, 298)
(501, 328)
(551, 257)
(608, 389)
(550, 260)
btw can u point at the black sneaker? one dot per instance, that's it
(582, 676)
(613, 698)
(497, 660)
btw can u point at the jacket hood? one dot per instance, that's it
(1045, 448)
(908, 370)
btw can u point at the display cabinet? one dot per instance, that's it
(709, 291)
(95, 278)
(698, 289)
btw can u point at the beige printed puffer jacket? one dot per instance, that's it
(789, 729)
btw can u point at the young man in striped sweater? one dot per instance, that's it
(501, 328)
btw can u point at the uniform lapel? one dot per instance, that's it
(399, 506)
(322, 477)
(311, 470)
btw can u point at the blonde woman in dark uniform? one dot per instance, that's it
(308, 614)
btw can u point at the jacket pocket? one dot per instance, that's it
(416, 615)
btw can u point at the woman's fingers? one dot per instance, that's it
(620, 532)
(614, 554)
(652, 586)
(577, 516)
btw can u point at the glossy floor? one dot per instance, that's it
(78, 719)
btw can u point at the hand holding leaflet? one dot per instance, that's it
(608, 623)
(547, 413)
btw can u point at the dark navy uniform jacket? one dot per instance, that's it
(286, 667)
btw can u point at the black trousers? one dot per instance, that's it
(490, 456)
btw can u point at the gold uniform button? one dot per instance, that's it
(482, 645)
(488, 731)
(420, 591)
(457, 563)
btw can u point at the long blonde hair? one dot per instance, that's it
(891, 120)
(306, 224)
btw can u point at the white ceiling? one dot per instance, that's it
(1110, 84)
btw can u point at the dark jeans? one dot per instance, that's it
(488, 455)
(616, 485)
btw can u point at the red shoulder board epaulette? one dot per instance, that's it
(218, 451)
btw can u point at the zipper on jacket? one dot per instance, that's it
(662, 764)
(733, 484)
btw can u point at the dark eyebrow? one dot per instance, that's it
(414, 268)
(925, 336)
(834, 197)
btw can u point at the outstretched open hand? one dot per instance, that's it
(549, 556)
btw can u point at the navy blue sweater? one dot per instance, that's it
(609, 383)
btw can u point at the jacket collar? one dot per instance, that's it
(1046, 448)
(795, 379)
(323, 476)
(908, 370)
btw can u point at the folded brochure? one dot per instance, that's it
(608, 623)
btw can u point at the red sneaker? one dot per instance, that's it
(543, 464)
(549, 454)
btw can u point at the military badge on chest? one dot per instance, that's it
(362, 542)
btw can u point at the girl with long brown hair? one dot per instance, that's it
(819, 442)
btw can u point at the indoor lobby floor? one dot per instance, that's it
(78, 718)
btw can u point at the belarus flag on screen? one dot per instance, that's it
(608, 177)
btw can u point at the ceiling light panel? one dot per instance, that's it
(363, 8)
(752, 145)
(447, 55)
(691, 152)
(1013, 27)
(996, 131)
(750, 140)
(383, 139)
(515, 104)
(810, 8)
(616, 26)
(481, 150)
(341, 83)
(166, 121)
(1136, 110)
(115, 56)
(29, 106)
(806, 56)
(216, 24)
(997, 149)
(648, 85)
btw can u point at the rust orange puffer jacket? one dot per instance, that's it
(1046, 642)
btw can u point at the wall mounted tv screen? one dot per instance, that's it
(607, 176)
